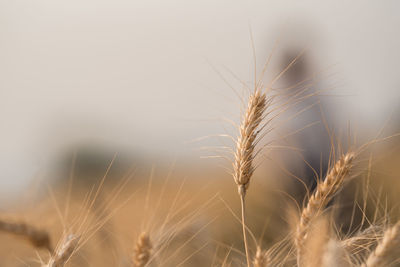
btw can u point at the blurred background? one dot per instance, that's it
(151, 81)
(141, 78)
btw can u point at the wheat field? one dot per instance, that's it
(241, 209)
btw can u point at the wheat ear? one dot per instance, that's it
(261, 258)
(38, 237)
(142, 250)
(320, 198)
(360, 245)
(387, 248)
(243, 167)
(335, 255)
(64, 252)
(245, 144)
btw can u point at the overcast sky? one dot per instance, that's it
(140, 74)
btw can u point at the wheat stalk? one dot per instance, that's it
(320, 198)
(142, 250)
(38, 237)
(64, 252)
(243, 167)
(387, 248)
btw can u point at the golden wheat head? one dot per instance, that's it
(142, 250)
(245, 144)
(324, 192)
(387, 250)
(64, 252)
(261, 258)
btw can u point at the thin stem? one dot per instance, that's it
(242, 193)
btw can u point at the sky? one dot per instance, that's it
(144, 76)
